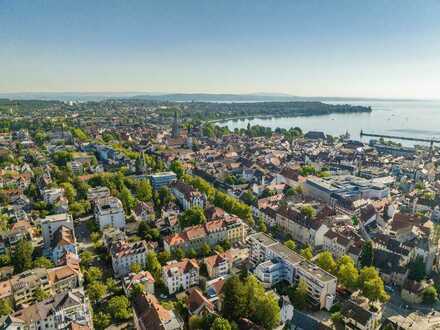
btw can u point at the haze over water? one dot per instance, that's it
(419, 119)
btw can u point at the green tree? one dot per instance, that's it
(267, 312)
(290, 244)
(205, 250)
(220, 324)
(43, 262)
(336, 317)
(153, 265)
(40, 295)
(80, 134)
(93, 274)
(417, 269)
(234, 301)
(135, 268)
(192, 216)
(195, 322)
(101, 320)
(367, 254)
(69, 191)
(179, 253)
(300, 294)
(112, 285)
(430, 295)
(262, 225)
(308, 211)
(307, 253)
(79, 209)
(372, 285)
(61, 158)
(96, 291)
(5, 259)
(164, 257)
(325, 261)
(22, 257)
(5, 307)
(177, 168)
(191, 253)
(164, 197)
(127, 199)
(144, 191)
(348, 274)
(86, 259)
(119, 308)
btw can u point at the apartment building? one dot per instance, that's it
(56, 280)
(97, 193)
(55, 313)
(187, 196)
(148, 314)
(50, 196)
(273, 262)
(302, 229)
(64, 241)
(25, 284)
(109, 213)
(161, 179)
(51, 223)
(124, 254)
(180, 275)
(230, 228)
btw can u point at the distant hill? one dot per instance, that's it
(180, 97)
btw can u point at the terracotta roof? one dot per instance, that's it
(150, 313)
(183, 266)
(196, 300)
(62, 272)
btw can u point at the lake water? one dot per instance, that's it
(419, 119)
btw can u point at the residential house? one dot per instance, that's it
(213, 232)
(302, 229)
(180, 275)
(64, 241)
(55, 313)
(198, 304)
(187, 196)
(149, 314)
(109, 212)
(143, 278)
(124, 254)
(50, 225)
(273, 262)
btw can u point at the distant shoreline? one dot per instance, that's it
(278, 116)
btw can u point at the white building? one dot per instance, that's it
(50, 225)
(179, 276)
(50, 196)
(109, 212)
(187, 196)
(302, 229)
(55, 313)
(64, 242)
(274, 262)
(124, 254)
(98, 193)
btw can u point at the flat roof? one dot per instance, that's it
(159, 174)
(286, 253)
(316, 271)
(264, 239)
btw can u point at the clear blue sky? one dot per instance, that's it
(374, 48)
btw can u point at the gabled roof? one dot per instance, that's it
(197, 302)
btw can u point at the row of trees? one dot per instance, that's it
(218, 198)
(367, 279)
